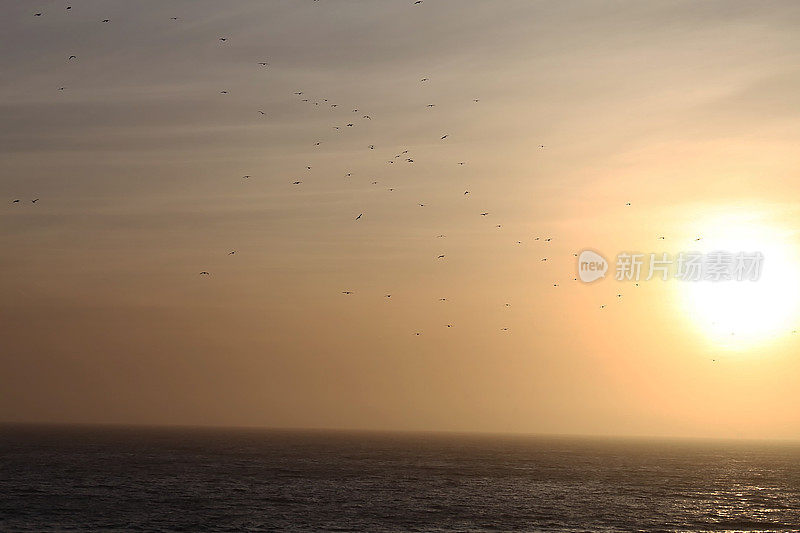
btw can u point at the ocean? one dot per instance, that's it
(150, 479)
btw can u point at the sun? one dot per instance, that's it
(743, 315)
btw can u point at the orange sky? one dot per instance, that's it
(689, 111)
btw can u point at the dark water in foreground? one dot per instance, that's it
(121, 479)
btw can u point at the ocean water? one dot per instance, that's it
(137, 479)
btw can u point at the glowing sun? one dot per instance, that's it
(745, 314)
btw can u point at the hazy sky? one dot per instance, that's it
(689, 111)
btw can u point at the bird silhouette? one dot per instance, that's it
(359, 216)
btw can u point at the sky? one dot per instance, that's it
(597, 125)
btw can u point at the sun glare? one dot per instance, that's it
(742, 315)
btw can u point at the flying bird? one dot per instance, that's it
(359, 216)
(232, 252)
(106, 20)
(15, 201)
(204, 273)
(34, 200)
(224, 40)
(347, 292)
(444, 137)
(72, 57)
(440, 257)
(484, 214)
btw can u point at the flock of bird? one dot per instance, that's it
(358, 115)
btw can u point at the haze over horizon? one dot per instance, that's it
(686, 111)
